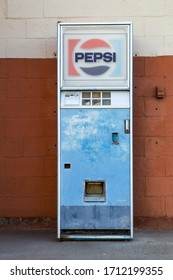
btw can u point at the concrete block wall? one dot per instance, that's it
(28, 27)
(28, 118)
(28, 142)
(153, 131)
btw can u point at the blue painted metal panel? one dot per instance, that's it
(86, 144)
(95, 217)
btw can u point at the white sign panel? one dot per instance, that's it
(94, 55)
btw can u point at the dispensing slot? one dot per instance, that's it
(94, 191)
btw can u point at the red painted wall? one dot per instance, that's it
(28, 151)
(153, 142)
(28, 141)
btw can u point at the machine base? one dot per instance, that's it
(96, 235)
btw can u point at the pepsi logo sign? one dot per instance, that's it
(93, 57)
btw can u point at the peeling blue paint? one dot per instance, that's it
(86, 143)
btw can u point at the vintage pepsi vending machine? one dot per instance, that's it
(95, 170)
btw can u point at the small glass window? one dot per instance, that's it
(96, 94)
(86, 94)
(96, 102)
(106, 102)
(106, 94)
(86, 102)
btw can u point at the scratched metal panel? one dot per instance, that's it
(95, 217)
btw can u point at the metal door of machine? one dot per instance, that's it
(95, 169)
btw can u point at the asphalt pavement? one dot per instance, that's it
(43, 245)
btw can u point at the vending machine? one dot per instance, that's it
(95, 157)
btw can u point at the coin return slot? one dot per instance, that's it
(94, 191)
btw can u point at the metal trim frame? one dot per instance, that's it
(131, 123)
(59, 89)
(96, 237)
(58, 134)
(86, 87)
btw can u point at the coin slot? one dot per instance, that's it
(115, 138)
